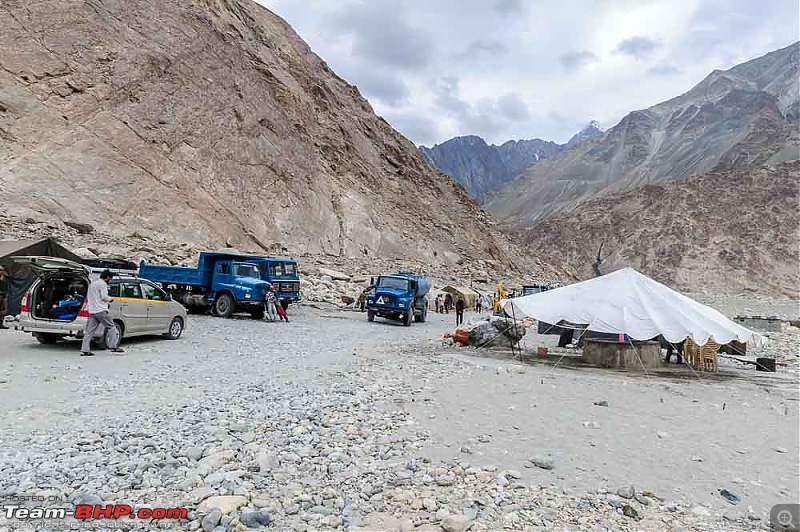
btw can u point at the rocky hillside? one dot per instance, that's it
(723, 232)
(482, 168)
(211, 123)
(743, 117)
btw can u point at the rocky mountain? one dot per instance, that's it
(211, 123)
(723, 232)
(591, 131)
(482, 168)
(746, 116)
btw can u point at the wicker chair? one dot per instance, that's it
(702, 357)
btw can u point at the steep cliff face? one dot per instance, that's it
(211, 122)
(723, 232)
(745, 116)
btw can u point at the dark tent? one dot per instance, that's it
(20, 278)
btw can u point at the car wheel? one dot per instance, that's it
(47, 338)
(175, 329)
(118, 329)
(224, 306)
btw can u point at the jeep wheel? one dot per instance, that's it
(47, 338)
(224, 306)
(175, 329)
(370, 315)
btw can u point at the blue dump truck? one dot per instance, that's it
(399, 296)
(223, 282)
(280, 273)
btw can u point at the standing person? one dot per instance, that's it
(3, 295)
(97, 300)
(437, 302)
(448, 303)
(269, 302)
(459, 311)
(282, 312)
(479, 304)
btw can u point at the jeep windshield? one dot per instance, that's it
(247, 270)
(393, 282)
(278, 269)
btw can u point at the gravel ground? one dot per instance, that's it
(330, 422)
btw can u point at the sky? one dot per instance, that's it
(514, 69)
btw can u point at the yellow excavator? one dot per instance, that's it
(499, 295)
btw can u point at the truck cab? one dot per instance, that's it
(399, 296)
(281, 274)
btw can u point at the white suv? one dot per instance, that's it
(54, 306)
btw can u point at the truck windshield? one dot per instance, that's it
(277, 269)
(247, 270)
(393, 282)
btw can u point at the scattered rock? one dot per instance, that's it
(626, 492)
(601, 403)
(591, 424)
(225, 503)
(81, 228)
(211, 520)
(542, 462)
(255, 519)
(730, 496)
(456, 523)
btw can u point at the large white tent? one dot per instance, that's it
(628, 302)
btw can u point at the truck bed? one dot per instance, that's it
(181, 275)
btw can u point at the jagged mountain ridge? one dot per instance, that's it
(744, 116)
(210, 122)
(482, 169)
(723, 232)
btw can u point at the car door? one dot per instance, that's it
(159, 313)
(132, 306)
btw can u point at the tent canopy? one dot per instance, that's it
(20, 278)
(469, 295)
(629, 302)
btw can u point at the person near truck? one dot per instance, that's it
(269, 302)
(97, 301)
(459, 311)
(281, 311)
(3, 295)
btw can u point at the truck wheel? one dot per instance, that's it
(257, 314)
(47, 338)
(409, 317)
(370, 315)
(175, 329)
(224, 306)
(424, 316)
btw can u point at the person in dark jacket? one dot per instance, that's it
(3, 295)
(448, 303)
(459, 311)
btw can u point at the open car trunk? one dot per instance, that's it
(59, 296)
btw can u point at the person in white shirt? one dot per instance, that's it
(97, 300)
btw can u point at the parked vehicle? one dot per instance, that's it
(223, 282)
(54, 306)
(399, 296)
(280, 273)
(534, 289)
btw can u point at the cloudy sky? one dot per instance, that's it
(506, 69)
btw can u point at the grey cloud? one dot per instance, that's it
(512, 107)
(663, 69)
(447, 96)
(382, 35)
(573, 60)
(508, 6)
(638, 47)
(421, 129)
(488, 48)
(384, 86)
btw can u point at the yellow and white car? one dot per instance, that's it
(53, 307)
